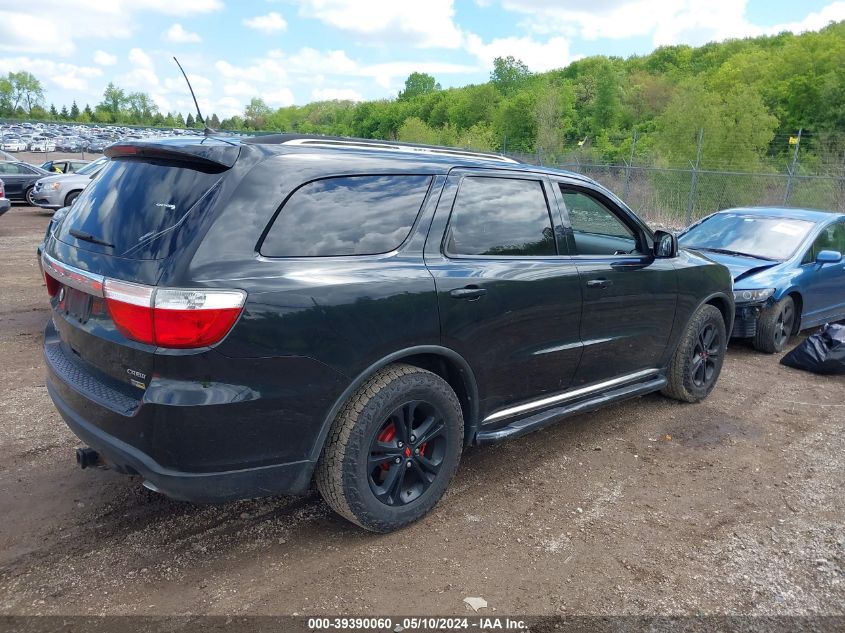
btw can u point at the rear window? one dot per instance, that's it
(128, 209)
(351, 215)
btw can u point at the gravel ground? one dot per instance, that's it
(732, 506)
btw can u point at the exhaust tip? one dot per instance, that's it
(87, 457)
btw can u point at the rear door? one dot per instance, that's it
(509, 296)
(16, 176)
(629, 296)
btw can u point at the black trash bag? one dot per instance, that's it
(822, 353)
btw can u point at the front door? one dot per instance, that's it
(824, 289)
(509, 299)
(629, 296)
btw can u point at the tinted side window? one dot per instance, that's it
(596, 229)
(500, 216)
(352, 215)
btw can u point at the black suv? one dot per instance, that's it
(238, 318)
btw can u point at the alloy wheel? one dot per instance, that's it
(783, 327)
(705, 354)
(406, 453)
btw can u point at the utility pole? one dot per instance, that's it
(629, 165)
(791, 169)
(694, 180)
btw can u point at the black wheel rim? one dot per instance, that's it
(406, 453)
(705, 355)
(783, 327)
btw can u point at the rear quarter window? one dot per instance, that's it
(349, 215)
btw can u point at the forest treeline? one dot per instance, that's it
(745, 100)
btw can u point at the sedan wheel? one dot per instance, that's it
(775, 326)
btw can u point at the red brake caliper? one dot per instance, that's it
(387, 435)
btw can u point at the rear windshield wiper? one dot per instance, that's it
(727, 251)
(82, 235)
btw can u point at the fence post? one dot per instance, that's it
(694, 179)
(628, 166)
(791, 169)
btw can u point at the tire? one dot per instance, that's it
(27, 196)
(71, 197)
(358, 463)
(774, 326)
(697, 363)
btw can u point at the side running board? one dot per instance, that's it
(549, 416)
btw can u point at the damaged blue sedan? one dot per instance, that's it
(786, 264)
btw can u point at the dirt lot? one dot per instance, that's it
(730, 506)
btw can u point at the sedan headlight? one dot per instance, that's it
(756, 295)
(54, 186)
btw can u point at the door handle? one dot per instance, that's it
(470, 292)
(599, 283)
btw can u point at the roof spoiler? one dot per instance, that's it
(204, 151)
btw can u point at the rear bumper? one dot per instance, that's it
(200, 440)
(216, 487)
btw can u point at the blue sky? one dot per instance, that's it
(296, 51)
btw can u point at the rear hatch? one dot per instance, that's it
(105, 258)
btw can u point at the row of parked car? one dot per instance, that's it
(65, 137)
(53, 184)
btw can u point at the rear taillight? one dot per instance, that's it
(2, 191)
(53, 286)
(173, 317)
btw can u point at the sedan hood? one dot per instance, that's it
(740, 267)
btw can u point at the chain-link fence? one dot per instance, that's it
(676, 197)
(813, 176)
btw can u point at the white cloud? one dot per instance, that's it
(63, 75)
(814, 21)
(104, 59)
(51, 27)
(691, 22)
(271, 23)
(538, 56)
(278, 98)
(240, 89)
(178, 35)
(339, 94)
(424, 24)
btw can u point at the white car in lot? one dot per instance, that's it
(13, 145)
(42, 145)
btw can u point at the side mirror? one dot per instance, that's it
(828, 257)
(665, 245)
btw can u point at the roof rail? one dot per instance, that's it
(398, 147)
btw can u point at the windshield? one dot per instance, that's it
(750, 235)
(92, 168)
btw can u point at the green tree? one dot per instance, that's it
(114, 100)
(189, 122)
(64, 115)
(214, 122)
(54, 114)
(415, 130)
(257, 113)
(737, 127)
(418, 84)
(509, 74)
(74, 111)
(27, 91)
